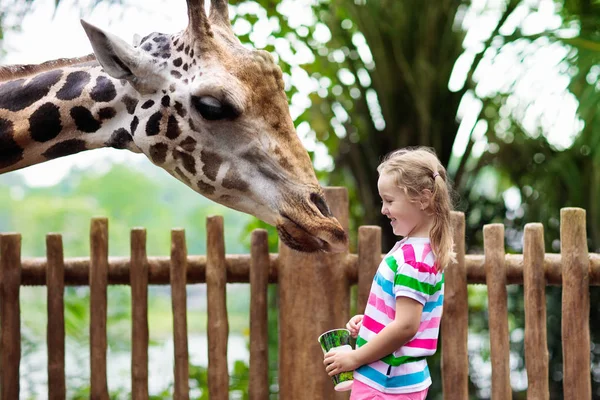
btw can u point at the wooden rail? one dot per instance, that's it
(313, 289)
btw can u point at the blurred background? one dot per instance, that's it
(506, 91)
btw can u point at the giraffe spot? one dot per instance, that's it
(65, 148)
(155, 54)
(148, 104)
(166, 55)
(177, 62)
(172, 87)
(205, 188)
(165, 101)
(189, 163)
(233, 180)
(10, 152)
(212, 162)
(180, 110)
(153, 124)
(192, 53)
(130, 103)
(173, 130)
(104, 90)
(175, 42)
(145, 38)
(120, 139)
(15, 96)
(188, 144)
(176, 74)
(180, 47)
(106, 113)
(84, 120)
(182, 176)
(74, 85)
(185, 81)
(285, 164)
(185, 67)
(158, 153)
(44, 123)
(147, 46)
(187, 50)
(134, 124)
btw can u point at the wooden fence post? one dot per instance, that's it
(217, 323)
(98, 308)
(534, 286)
(575, 305)
(181, 389)
(138, 272)
(314, 297)
(10, 314)
(455, 321)
(369, 257)
(55, 333)
(495, 272)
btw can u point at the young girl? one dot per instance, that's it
(401, 322)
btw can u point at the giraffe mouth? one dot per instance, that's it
(298, 238)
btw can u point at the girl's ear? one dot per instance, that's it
(426, 197)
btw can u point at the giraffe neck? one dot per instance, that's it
(61, 108)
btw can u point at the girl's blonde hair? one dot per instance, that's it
(420, 173)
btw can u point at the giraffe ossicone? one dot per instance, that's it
(211, 112)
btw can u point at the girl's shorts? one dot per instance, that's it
(361, 391)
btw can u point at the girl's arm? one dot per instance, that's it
(389, 339)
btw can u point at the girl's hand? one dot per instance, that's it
(354, 325)
(337, 361)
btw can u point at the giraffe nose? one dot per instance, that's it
(321, 205)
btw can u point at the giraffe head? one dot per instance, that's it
(214, 114)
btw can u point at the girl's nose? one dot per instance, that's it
(384, 209)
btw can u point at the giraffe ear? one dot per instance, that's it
(119, 59)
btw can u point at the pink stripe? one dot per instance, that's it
(426, 251)
(422, 267)
(380, 305)
(409, 253)
(431, 323)
(428, 344)
(372, 325)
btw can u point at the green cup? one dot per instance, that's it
(338, 339)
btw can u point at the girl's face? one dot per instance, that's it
(406, 217)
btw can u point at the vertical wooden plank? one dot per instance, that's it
(314, 288)
(55, 334)
(98, 308)
(534, 285)
(138, 273)
(10, 317)
(575, 304)
(259, 341)
(455, 322)
(218, 325)
(369, 257)
(179, 304)
(495, 270)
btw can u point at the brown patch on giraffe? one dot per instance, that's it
(212, 162)
(147, 104)
(104, 91)
(227, 199)
(130, 103)
(16, 95)
(74, 85)
(65, 148)
(182, 176)
(176, 74)
(206, 188)
(233, 180)
(84, 120)
(106, 113)
(158, 153)
(188, 144)
(153, 124)
(10, 152)
(44, 123)
(120, 139)
(177, 62)
(173, 130)
(134, 124)
(189, 163)
(180, 110)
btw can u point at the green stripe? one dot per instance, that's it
(391, 359)
(415, 284)
(391, 262)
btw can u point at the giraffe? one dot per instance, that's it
(197, 103)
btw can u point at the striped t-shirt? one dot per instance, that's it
(407, 270)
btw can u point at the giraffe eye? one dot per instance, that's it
(212, 109)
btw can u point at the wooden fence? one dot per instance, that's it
(314, 297)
